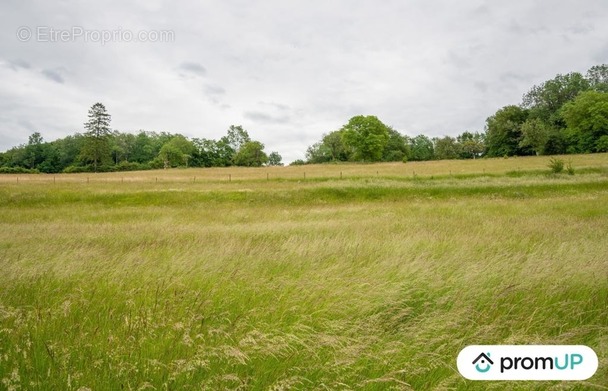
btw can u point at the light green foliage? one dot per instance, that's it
(372, 282)
(587, 120)
(367, 136)
(535, 134)
(237, 137)
(176, 152)
(570, 168)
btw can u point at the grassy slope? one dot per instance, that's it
(375, 281)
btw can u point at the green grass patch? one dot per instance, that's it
(368, 282)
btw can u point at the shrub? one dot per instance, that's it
(556, 165)
(18, 170)
(602, 144)
(569, 168)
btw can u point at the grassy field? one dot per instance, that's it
(330, 277)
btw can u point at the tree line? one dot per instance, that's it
(567, 114)
(102, 149)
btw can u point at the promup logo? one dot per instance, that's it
(483, 363)
(527, 362)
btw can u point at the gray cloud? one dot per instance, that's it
(193, 68)
(212, 89)
(53, 74)
(265, 118)
(580, 29)
(18, 63)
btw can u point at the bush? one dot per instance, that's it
(569, 168)
(298, 162)
(18, 170)
(602, 144)
(556, 165)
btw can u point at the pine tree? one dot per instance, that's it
(96, 148)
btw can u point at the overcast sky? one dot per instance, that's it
(288, 71)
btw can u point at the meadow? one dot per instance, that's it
(330, 277)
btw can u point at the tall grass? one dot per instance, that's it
(369, 282)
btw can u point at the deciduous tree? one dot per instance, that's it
(367, 136)
(251, 154)
(586, 118)
(503, 131)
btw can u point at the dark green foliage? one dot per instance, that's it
(470, 145)
(567, 114)
(34, 151)
(274, 159)
(396, 148)
(446, 148)
(317, 153)
(251, 154)
(335, 148)
(122, 146)
(598, 77)
(503, 131)
(17, 170)
(102, 150)
(147, 145)
(602, 144)
(212, 153)
(421, 148)
(544, 101)
(330, 149)
(96, 148)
